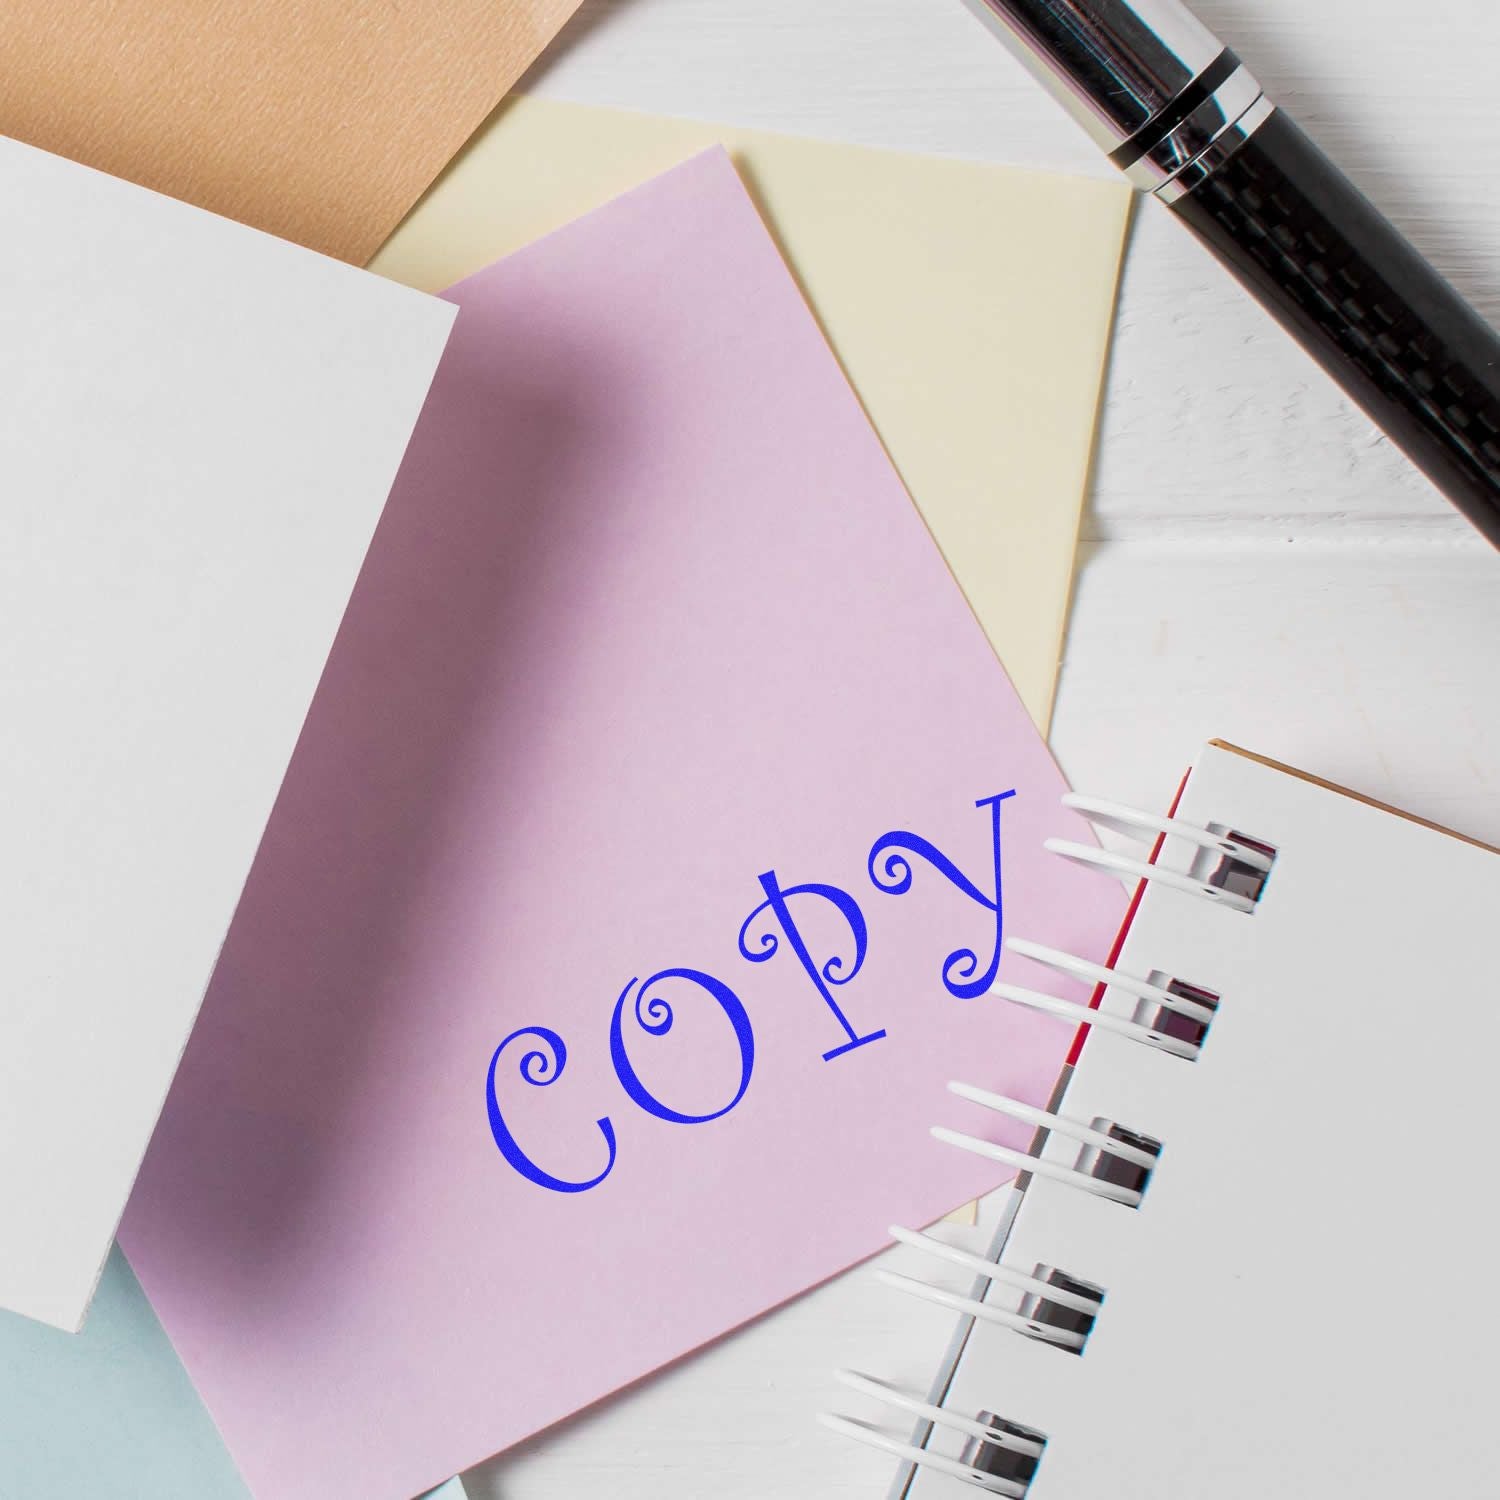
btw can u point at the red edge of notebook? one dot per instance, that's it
(1097, 998)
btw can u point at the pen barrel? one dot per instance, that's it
(1346, 284)
(1117, 66)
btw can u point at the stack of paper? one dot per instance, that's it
(629, 898)
(969, 305)
(657, 820)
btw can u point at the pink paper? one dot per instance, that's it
(649, 617)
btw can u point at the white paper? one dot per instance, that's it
(198, 428)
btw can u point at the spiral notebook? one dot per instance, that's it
(1246, 1253)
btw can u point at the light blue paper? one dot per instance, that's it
(106, 1414)
(109, 1413)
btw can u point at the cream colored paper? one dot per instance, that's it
(322, 121)
(970, 305)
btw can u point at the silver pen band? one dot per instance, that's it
(1230, 137)
(1208, 136)
(1154, 88)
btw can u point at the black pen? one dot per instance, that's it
(1185, 120)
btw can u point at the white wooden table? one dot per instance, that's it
(1258, 562)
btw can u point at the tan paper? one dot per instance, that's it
(319, 120)
(970, 305)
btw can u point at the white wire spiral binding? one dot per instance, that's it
(1083, 1015)
(1047, 1123)
(1023, 1161)
(1133, 821)
(1092, 973)
(873, 1437)
(1044, 1119)
(891, 1395)
(991, 1270)
(986, 1312)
